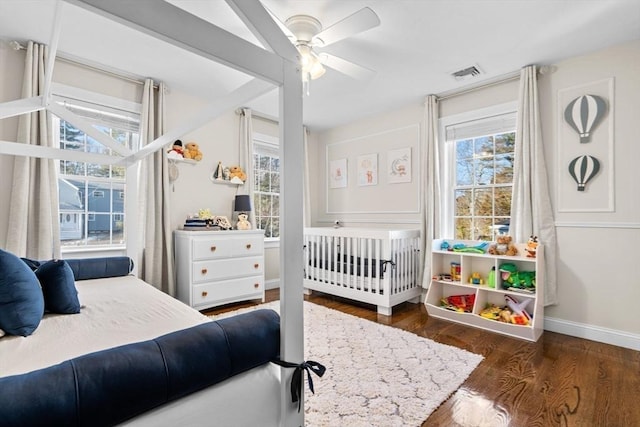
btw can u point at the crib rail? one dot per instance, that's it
(370, 265)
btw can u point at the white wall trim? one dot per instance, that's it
(569, 224)
(593, 333)
(272, 284)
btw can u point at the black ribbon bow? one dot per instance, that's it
(297, 380)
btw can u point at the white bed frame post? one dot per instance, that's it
(291, 237)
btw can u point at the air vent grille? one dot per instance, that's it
(466, 73)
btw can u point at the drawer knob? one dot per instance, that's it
(213, 248)
(248, 245)
(256, 265)
(204, 293)
(204, 271)
(256, 285)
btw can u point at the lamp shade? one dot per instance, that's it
(242, 203)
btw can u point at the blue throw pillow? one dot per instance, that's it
(58, 287)
(21, 300)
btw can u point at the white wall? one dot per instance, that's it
(598, 289)
(597, 251)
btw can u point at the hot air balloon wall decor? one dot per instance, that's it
(584, 114)
(583, 169)
(585, 148)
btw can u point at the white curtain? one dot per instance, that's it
(431, 219)
(246, 157)
(156, 265)
(531, 211)
(34, 218)
(306, 193)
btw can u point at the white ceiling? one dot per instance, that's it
(413, 51)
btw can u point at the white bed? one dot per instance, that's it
(123, 310)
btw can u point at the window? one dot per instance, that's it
(480, 156)
(266, 191)
(91, 196)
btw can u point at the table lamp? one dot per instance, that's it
(242, 206)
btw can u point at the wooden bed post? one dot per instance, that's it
(291, 237)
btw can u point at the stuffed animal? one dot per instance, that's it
(532, 246)
(176, 151)
(237, 171)
(192, 151)
(503, 246)
(243, 222)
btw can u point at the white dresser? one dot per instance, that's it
(219, 267)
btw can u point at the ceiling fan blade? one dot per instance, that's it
(360, 21)
(346, 67)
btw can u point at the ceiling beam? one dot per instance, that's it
(262, 25)
(21, 106)
(42, 152)
(222, 105)
(85, 126)
(173, 25)
(52, 52)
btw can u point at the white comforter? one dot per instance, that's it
(115, 311)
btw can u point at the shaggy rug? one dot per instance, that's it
(376, 375)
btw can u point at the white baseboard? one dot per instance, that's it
(272, 284)
(593, 333)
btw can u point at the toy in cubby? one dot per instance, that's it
(460, 303)
(513, 312)
(514, 280)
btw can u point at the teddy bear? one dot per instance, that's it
(176, 151)
(192, 151)
(243, 222)
(503, 246)
(237, 171)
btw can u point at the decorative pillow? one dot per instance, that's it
(58, 287)
(21, 300)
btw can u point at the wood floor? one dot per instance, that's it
(557, 381)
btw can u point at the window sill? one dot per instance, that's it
(271, 243)
(91, 250)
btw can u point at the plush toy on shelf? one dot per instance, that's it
(236, 171)
(176, 151)
(532, 247)
(192, 151)
(503, 246)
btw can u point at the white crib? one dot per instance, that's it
(375, 266)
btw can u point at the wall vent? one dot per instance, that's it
(466, 73)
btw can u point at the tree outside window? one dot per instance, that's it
(483, 185)
(266, 192)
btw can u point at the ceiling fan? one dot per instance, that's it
(307, 33)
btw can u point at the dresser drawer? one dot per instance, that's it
(228, 290)
(215, 247)
(212, 248)
(247, 246)
(204, 271)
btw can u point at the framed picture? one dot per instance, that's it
(338, 173)
(368, 169)
(585, 165)
(399, 166)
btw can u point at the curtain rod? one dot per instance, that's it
(259, 116)
(15, 45)
(504, 79)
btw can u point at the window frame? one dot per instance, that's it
(448, 161)
(269, 145)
